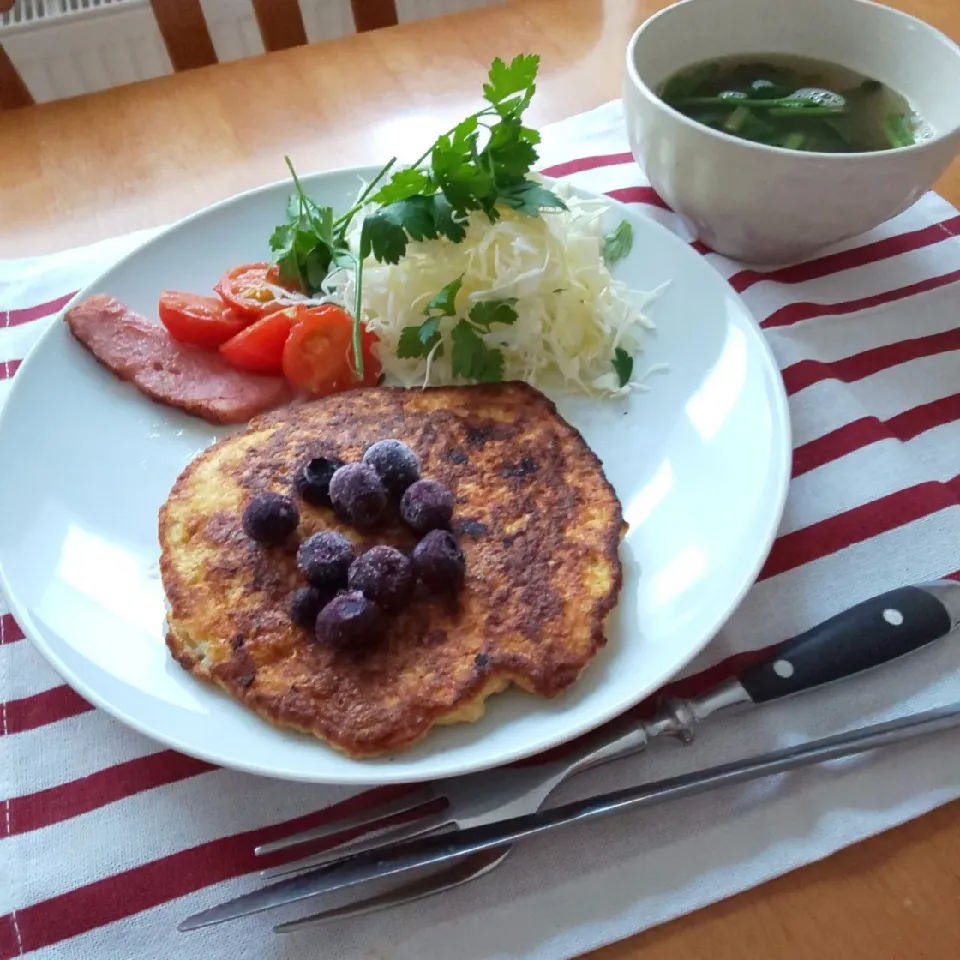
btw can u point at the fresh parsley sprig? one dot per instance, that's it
(419, 341)
(471, 357)
(312, 243)
(481, 164)
(618, 243)
(304, 246)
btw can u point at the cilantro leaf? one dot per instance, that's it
(455, 177)
(530, 135)
(304, 257)
(623, 364)
(383, 237)
(433, 198)
(385, 233)
(280, 238)
(316, 267)
(445, 300)
(472, 358)
(529, 197)
(505, 81)
(511, 149)
(465, 132)
(445, 221)
(304, 246)
(461, 179)
(409, 345)
(415, 215)
(618, 244)
(405, 183)
(494, 311)
(429, 331)
(419, 341)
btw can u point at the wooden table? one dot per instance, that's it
(78, 171)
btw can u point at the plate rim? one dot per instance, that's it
(377, 771)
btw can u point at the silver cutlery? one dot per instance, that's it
(397, 858)
(867, 635)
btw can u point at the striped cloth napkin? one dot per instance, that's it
(108, 839)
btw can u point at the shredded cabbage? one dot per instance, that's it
(572, 314)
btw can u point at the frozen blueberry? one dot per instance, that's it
(357, 494)
(324, 560)
(349, 620)
(306, 603)
(383, 575)
(439, 562)
(270, 518)
(313, 480)
(427, 505)
(396, 464)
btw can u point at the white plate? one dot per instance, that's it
(701, 464)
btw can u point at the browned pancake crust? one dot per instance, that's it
(538, 521)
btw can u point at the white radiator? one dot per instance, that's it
(62, 48)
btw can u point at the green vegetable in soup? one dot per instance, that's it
(794, 103)
(898, 130)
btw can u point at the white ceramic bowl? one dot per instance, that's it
(767, 204)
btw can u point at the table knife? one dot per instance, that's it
(867, 635)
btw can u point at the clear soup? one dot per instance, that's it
(796, 103)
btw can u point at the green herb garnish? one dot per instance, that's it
(472, 358)
(304, 246)
(456, 176)
(618, 244)
(493, 311)
(445, 302)
(311, 243)
(419, 341)
(481, 164)
(623, 365)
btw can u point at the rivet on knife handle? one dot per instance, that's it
(871, 633)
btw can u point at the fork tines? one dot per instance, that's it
(412, 815)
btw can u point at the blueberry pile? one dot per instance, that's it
(348, 598)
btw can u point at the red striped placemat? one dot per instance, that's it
(106, 840)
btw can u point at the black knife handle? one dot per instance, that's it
(867, 635)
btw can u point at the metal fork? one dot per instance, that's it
(480, 798)
(486, 797)
(860, 638)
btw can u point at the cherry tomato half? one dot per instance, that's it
(247, 290)
(318, 356)
(259, 348)
(201, 321)
(273, 276)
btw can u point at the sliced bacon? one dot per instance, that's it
(199, 382)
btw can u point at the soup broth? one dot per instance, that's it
(797, 103)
